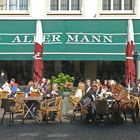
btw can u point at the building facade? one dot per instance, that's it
(84, 38)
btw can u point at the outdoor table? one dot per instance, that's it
(30, 107)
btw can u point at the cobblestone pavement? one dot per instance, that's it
(67, 131)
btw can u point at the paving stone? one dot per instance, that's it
(67, 131)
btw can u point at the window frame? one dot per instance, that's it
(16, 12)
(64, 12)
(118, 12)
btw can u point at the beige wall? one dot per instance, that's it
(138, 69)
(90, 9)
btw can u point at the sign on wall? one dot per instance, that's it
(66, 40)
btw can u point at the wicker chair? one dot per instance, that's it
(51, 106)
(11, 107)
(4, 94)
(20, 95)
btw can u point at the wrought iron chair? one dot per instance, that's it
(102, 111)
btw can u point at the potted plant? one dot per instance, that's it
(64, 81)
(65, 84)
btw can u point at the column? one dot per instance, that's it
(58, 67)
(138, 70)
(77, 66)
(90, 70)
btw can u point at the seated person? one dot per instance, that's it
(136, 89)
(13, 88)
(27, 89)
(88, 86)
(118, 93)
(80, 91)
(51, 98)
(45, 87)
(34, 88)
(6, 87)
(87, 102)
(55, 92)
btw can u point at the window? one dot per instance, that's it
(65, 5)
(54, 5)
(106, 4)
(118, 5)
(128, 5)
(14, 5)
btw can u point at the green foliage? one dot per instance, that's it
(62, 80)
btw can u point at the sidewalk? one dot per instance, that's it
(67, 131)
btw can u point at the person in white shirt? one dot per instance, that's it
(80, 91)
(88, 86)
(6, 87)
(3, 77)
(34, 87)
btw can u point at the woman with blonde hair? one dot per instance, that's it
(80, 91)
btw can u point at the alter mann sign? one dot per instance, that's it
(61, 38)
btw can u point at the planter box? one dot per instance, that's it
(65, 103)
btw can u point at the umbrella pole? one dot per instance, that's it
(129, 90)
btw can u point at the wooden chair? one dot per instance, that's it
(11, 107)
(20, 95)
(77, 107)
(47, 103)
(132, 107)
(56, 108)
(102, 111)
(4, 94)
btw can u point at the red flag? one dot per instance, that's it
(38, 51)
(129, 64)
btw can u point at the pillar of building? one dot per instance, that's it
(90, 70)
(138, 70)
(58, 67)
(77, 66)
